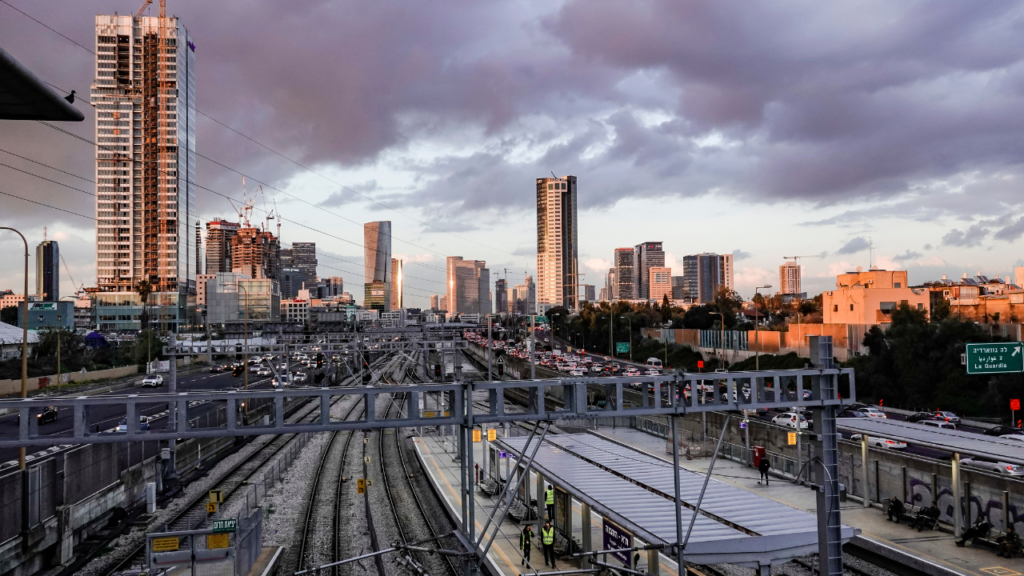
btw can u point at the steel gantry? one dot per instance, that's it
(822, 389)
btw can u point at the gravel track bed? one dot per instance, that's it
(852, 566)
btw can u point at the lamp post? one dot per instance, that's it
(245, 339)
(24, 340)
(721, 358)
(757, 333)
(630, 320)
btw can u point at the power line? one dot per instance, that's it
(47, 205)
(293, 161)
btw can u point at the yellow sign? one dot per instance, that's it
(792, 438)
(360, 486)
(165, 544)
(211, 506)
(366, 459)
(216, 496)
(476, 435)
(492, 435)
(214, 541)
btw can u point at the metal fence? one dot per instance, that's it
(10, 505)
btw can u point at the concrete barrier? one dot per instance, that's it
(13, 387)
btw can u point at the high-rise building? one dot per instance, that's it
(469, 287)
(144, 96)
(602, 295)
(396, 285)
(501, 296)
(705, 274)
(255, 254)
(660, 284)
(287, 261)
(304, 258)
(444, 303)
(525, 297)
(377, 256)
(335, 285)
(434, 303)
(291, 281)
(625, 275)
(48, 271)
(648, 255)
(789, 278)
(218, 245)
(557, 243)
(679, 288)
(611, 287)
(375, 295)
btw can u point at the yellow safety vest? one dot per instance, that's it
(548, 535)
(549, 497)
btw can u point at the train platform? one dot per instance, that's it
(932, 552)
(719, 535)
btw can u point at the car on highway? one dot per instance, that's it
(48, 414)
(632, 371)
(217, 368)
(851, 414)
(872, 412)
(299, 377)
(789, 420)
(947, 416)
(919, 416)
(942, 424)
(652, 372)
(576, 372)
(122, 426)
(1003, 431)
(152, 381)
(283, 366)
(263, 371)
(1004, 468)
(883, 443)
(278, 381)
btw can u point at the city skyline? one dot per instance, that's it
(916, 214)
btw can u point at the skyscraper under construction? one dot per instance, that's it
(144, 95)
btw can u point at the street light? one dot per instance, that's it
(722, 357)
(630, 320)
(24, 340)
(757, 333)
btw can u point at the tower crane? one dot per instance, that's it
(795, 259)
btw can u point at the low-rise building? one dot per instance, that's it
(42, 315)
(870, 297)
(117, 311)
(233, 297)
(295, 311)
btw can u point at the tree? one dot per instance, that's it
(666, 308)
(729, 303)
(144, 289)
(9, 315)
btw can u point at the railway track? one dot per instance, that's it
(232, 481)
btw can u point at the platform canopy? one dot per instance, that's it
(635, 490)
(23, 96)
(964, 443)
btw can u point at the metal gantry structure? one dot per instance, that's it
(670, 395)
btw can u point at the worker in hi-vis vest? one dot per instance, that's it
(547, 537)
(549, 502)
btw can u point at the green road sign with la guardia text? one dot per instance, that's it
(995, 358)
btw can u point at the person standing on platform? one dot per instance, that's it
(526, 542)
(549, 501)
(547, 534)
(763, 468)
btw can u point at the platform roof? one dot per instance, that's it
(23, 96)
(963, 443)
(635, 490)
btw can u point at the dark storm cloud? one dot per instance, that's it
(858, 244)
(818, 102)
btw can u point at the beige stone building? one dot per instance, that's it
(869, 297)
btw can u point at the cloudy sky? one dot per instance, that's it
(767, 129)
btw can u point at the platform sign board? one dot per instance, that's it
(225, 525)
(621, 347)
(165, 544)
(215, 541)
(995, 358)
(616, 537)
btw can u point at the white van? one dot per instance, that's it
(654, 363)
(938, 424)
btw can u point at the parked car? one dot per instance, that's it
(789, 420)
(996, 467)
(153, 381)
(1003, 431)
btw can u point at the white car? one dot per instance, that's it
(633, 372)
(279, 381)
(996, 467)
(576, 372)
(283, 366)
(872, 412)
(299, 377)
(652, 372)
(947, 416)
(152, 381)
(886, 444)
(789, 420)
(1017, 437)
(263, 371)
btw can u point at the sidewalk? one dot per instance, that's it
(878, 533)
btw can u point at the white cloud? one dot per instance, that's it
(598, 265)
(414, 257)
(931, 261)
(674, 263)
(749, 277)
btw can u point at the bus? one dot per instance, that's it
(654, 363)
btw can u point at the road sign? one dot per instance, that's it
(791, 438)
(476, 435)
(165, 544)
(1015, 404)
(995, 358)
(360, 486)
(700, 364)
(211, 506)
(225, 525)
(621, 347)
(216, 496)
(215, 541)
(492, 435)
(501, 360)
(503, 454)
(743, 425)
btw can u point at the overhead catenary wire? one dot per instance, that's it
(289, 159)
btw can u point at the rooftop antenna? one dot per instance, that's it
(553, 175)
(871, 253)
(44, 233)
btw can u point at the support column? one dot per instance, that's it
(485, 454)
(587, 532)
(864, 467)
(654, 562)
(830, 543)
(172, 388)
(540, 497)
(958, 513)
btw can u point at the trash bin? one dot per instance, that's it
(759, 453)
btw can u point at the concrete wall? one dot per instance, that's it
(12, 387)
